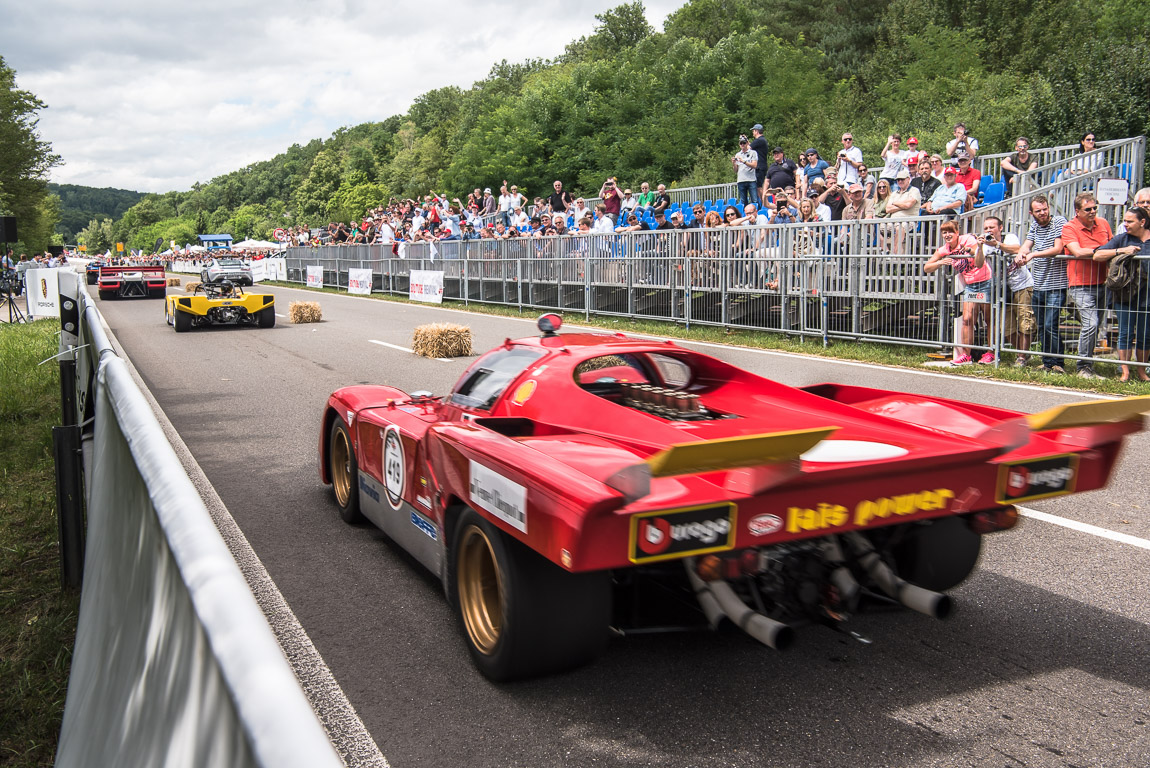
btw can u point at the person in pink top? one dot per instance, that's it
(963, 253)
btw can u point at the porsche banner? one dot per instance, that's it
(315, 276)
(426, 285)
(359, 281)
(42, 290)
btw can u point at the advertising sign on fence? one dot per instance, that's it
(315, 276)
(259, 270)
(1112, 191)
(277, 269)
(426, 286)
(42, 289)
(359, 281)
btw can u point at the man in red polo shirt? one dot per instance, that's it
(1081, 236)
(969, 177)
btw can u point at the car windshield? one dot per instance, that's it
(229, 263)
(491, 374)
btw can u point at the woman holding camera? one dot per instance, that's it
(964, 254)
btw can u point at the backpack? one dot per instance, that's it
(1122, 276)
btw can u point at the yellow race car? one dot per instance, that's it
(219, 304)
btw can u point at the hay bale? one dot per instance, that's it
(304, 312)
(442, 340)
(192, 286)
(174, 281)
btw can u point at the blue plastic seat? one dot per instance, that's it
(994, 193)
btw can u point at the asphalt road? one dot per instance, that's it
(1043, 664)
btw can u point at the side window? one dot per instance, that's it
(675, 373)
(485, 381)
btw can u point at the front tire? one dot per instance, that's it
(344, 471)
(266, 317)
(522, 615)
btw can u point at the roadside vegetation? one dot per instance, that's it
(901, 356)
(37, 618)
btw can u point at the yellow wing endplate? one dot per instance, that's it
(735, 452)
(1089, 413)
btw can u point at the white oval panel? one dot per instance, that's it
(841, 451)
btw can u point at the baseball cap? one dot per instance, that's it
(487, 191)
(659, 215)
(950, 171)
(903, 174)
(742, 139)
(912, 160)
(776, 150)
(912, 140)
(855, 188)
(811, 151)
(964, 157)
(757, 127)
(812, 193)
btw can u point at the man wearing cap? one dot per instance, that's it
(858, 207)
(745, 163)
(970, 178)
(904, 201)
(849, 159)
(949, 197)
(780, 174)
(760, 147)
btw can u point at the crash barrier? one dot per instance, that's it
(174, 663)
(856, 280)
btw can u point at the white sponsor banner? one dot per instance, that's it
(506, 499)
(315, 277)
(277, 269)
(42, 291)
(426, 285)
(259, 270)
(359, 281)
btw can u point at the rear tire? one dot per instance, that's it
(181, 321)
(521, 615)
(344, 471)
(106, 295)
(266, 317)
(937, 556)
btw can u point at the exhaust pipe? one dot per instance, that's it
(719, 601)
(841, 576)
(929, 602)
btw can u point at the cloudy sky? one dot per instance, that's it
(154, 95)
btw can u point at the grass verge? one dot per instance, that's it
(894, 355)
(37, 618)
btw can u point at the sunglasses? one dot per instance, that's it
(1089, 138)
(1090, 210)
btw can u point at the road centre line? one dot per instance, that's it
(1093, 530)
(405, 349)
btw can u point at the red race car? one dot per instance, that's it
(574, 484)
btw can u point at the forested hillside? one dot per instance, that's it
(668, 106)
(79, 206)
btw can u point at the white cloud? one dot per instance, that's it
(149, 97)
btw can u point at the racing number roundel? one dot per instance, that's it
(394, 467)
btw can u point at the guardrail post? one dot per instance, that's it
(66, 444)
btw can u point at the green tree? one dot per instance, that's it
(24, 164)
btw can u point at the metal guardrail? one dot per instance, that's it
(1127, 155)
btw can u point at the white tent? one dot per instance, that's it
(256, 245)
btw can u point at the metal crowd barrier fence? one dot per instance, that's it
(174, 663)
(847, 280)
(1128, 156)
(1014, 212)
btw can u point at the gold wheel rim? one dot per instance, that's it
(480, 590)
(341, 467)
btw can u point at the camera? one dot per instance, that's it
(988, 238)
(9, 283)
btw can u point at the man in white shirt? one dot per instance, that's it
(1001, 251)
(849, 160)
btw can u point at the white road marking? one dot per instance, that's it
(1093, 530)
(279, 315)
(405, 349)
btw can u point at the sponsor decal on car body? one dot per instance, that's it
(676, 533)
(1036, 478)
(426, 526)
(502, 497)
(764, 525)
(824, 516)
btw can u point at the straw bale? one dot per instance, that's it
(442, 340)
(304, 312)
(192, 286)
(174, 281)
